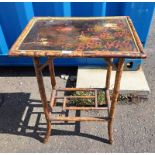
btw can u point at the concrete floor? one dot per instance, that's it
(22, 124)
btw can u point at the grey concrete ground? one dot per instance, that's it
(22, 124)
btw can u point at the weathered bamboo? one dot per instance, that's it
(108, 101)
(43, 97)
(78, 54)
(43, 66)
(83, 97)
(59, 97)
(109, 61)
(86, 108)
(107, 96)
(76, 89)
(77, 119)
(134, 34)
(64, 104)
(78, 18)
(108, 76)
(114, 98)
(52, 73)
(96, 103)
(53, 99)
(74, 97)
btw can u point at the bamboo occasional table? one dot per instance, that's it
(99, 37)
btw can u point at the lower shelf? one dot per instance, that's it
(93, 98)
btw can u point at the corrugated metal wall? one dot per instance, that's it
(15, 15)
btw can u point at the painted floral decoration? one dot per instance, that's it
(80, 35)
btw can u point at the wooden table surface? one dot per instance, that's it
(79, 37)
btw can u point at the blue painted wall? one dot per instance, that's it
(15, 15)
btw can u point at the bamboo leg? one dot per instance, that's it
(108, 76)
(108, 73)
(52, 73)
(43, 97)
(114, 98)
(52, 76)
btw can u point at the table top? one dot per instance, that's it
(79, 37)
